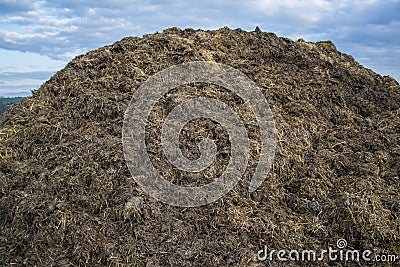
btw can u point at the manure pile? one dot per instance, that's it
(67, 197)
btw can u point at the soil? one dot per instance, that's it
(67, 197)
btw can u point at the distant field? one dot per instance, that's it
(9, 100)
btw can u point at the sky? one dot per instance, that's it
(38, 38)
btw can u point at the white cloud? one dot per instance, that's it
(307, 11)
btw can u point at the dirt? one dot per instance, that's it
(67, 197)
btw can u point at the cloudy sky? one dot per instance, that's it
(37, 38)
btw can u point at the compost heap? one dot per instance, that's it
(67, 197)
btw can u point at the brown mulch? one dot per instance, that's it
(68, 199)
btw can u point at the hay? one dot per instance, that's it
(68, 199)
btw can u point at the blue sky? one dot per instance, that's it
(38, 38)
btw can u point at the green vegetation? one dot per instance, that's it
(11, 100)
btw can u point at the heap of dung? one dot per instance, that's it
(67, 197)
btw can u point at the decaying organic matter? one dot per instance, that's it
(68, 199)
